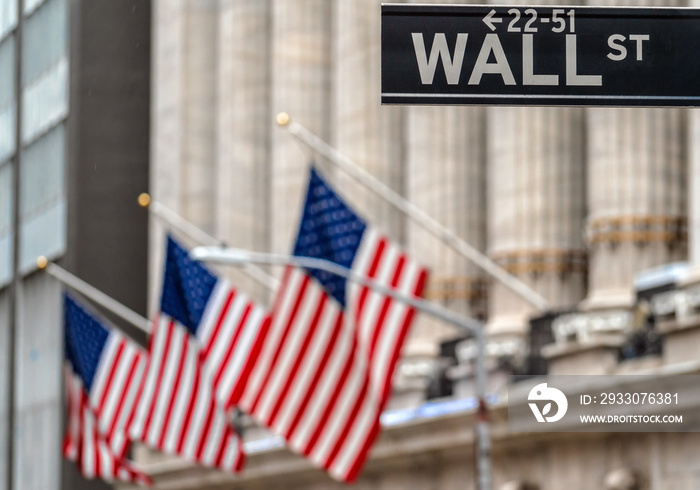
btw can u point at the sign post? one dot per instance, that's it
(508, 55)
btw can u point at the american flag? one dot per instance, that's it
(111, 368)
(157, 397)
(86, 446)
(178, 413)
(229, 326)
(323, 375)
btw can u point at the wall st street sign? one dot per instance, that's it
(520, 55)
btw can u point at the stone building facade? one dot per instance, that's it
(574, 202)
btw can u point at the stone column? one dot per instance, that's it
(370, 134)
(446, 177)
(636, 198)
(536, 191)
(694, 192)
(682, 338)
(184, 122)
(183, 117)
(636, 220)
(301, 86)
(536, 205)
(245, 124)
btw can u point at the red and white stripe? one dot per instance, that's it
(85, 445)
(116, 386)
(230, 336)
(323, 375)
(178, 413)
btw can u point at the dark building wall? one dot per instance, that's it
(109, 146)
(108, 153)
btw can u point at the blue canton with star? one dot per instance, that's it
(187, 286)
(329, 230)
(85, 338)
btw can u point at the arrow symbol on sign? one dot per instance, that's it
(490, 21)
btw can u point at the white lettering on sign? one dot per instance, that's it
(490, 20)
(529, 77)
(501, 67)
(492, 48)
(615, 43)
(639, 38)
(451, 65)
(572, 76)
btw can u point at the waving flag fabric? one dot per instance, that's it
(229, 327)
(177, 412)
(158, 397)
(85, 445)
(111, 368)
(324, 372)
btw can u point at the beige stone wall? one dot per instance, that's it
(536, 177)
(637, 197)
(446, 177)
(636, 193)
(244, 154)
(694, 187)
(536, 209)
(372, 135)
(184, 117)
(301, 85)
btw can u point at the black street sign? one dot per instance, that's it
(520, 55)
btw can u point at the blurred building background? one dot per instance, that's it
(579, 203)
(572, 201)
(74, 143)
(595, 209)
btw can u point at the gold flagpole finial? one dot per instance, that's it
(283, 119)
(144, 199)
(42, 262)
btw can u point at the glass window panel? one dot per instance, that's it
(7, 106)
(43, 234)
(43, 165)
(7, 71)
(8, 16)
(45, 102)
(31, 5)
(7, 132)
(6, 200)
(45, 40)
(42, 198)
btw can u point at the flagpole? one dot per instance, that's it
(241, 257)
(413, 212)
(200, 236)
(94, 294)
